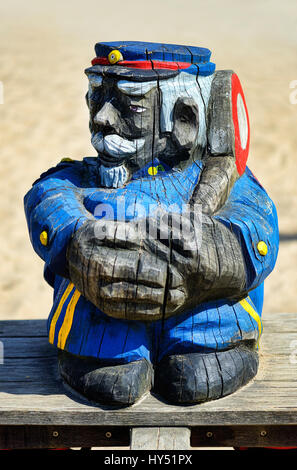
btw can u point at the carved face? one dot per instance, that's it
(132, 123)
(124, 127)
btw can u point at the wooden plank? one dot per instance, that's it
(23, 328)
(244, 436)
(35, 369)
(41, 437)
(156, 418)
(14, 348)
(159, 438)
(31, 392)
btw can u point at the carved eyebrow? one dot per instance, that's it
(95, 80)
(136, 88)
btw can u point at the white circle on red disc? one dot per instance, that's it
(242, 122)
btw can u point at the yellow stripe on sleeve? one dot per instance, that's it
(252, 312)
(58, 311)
(67, 323)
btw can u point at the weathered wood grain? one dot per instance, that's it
(216, 181)
(244, 436)
(169, 438)
(31, 392)
(23, 328)
(221, 130)
(18, 347)
(53, 437)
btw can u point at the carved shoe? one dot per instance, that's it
(119, 384)
(195, 377)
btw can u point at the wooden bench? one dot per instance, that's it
(37, 411)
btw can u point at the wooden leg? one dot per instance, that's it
(160, 438)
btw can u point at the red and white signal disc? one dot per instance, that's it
(241, 124)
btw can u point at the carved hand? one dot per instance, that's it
(129, 274)
(112, 267)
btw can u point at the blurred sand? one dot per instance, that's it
(44, 49)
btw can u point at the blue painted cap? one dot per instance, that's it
(135, 50)
(134, 59)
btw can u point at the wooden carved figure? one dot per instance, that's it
(158, 247)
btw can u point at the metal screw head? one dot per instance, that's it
(108, 434)
(263, 433)
(209, 434)
(55, 433)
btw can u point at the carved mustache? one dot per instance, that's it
(116, 146)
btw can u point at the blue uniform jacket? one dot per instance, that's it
(64, 197)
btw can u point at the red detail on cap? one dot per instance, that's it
(100, 61)
(143, 64)
(241, 155)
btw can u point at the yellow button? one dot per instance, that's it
(66, 159)
(262, 248)
(114, 57)
(153, 170)
(43, 238)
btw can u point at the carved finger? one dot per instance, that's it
(132, 311)
(175, 300)
(126, 292)
(175, 278)
(151, 270)
(118, 234)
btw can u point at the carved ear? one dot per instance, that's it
(185, 122)
(228, 122)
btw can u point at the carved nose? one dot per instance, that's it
(107, 115)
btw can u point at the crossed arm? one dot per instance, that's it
(128, 274)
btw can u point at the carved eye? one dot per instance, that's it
(137, 109)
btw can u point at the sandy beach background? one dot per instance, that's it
(44, 49)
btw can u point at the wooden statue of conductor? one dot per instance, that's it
(157, 248)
